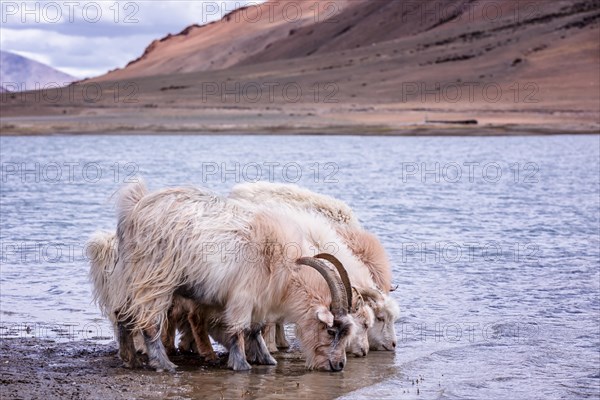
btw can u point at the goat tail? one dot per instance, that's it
(128, 197)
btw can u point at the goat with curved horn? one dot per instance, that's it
(372, 269)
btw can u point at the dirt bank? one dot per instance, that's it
(43, 369)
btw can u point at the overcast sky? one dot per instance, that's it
(88, 38)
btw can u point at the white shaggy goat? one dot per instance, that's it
(323, 239)
(249, 262)
(365, 246)
(368, 249)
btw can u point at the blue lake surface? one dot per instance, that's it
(494, 242)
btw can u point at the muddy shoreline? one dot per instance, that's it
(34, 368)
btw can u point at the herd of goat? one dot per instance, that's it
(237, 268)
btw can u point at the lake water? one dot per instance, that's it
(494, 244)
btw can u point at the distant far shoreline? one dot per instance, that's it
(366, 119)
(422, 132)
(301, 119)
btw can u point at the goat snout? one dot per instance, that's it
(336, 366)
(360, 353)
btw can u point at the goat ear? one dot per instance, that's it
(359, 302)
(325, 316)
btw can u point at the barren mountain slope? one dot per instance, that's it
(221, 44)
(532, 53)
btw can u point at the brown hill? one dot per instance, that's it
(271, 32)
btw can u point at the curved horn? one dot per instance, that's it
(359, 299)
(343, 274)
(339, 299)
(371, 294)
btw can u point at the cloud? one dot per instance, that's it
(88, 38)
(80, 56)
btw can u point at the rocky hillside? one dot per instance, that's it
(239, 35)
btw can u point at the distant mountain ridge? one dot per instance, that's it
(263, 33)
(19, 73)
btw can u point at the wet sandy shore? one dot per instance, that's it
(44, 369)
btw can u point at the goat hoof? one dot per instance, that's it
(269, 361)
(283, 345)
(240, 366)
(167, 366)
(171, 370)
(133, 363)
(263, 359)
(171, 351)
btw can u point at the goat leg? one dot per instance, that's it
(168, 338)
(157, 356)
(257, 349)
(237, 357)
(127, 351)
(186, 342)
(198, 324)
(269, 337)
(280, 338)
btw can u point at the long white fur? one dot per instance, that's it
(101, 252)
(299, 198)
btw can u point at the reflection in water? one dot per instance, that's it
(289, 378)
